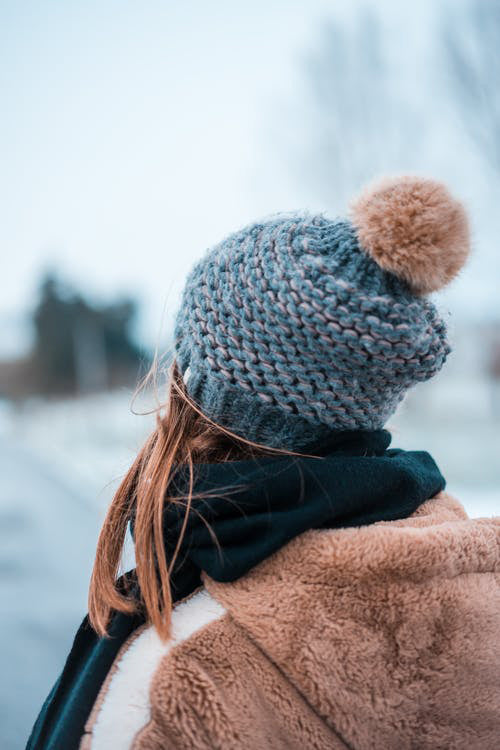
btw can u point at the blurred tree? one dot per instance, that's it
(472, 51)
(80, 347)
(358, 125)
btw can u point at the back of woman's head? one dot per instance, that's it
(288, 329)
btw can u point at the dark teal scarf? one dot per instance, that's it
(253, 508)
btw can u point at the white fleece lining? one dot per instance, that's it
(126, 707)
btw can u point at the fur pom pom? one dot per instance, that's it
(413, 228)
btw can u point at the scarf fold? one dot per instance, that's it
(249, 509)
(242, 513)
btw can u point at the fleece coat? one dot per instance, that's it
(378, 637)
(242, 512)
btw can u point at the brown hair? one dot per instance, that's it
(183, 436)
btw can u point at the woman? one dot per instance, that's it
(297, 583)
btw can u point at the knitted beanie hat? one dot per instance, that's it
(299, 324)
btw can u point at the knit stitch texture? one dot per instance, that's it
(290, 329)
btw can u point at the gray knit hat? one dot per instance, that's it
(299, 324)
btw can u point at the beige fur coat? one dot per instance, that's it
(375, 638)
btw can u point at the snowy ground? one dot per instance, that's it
(59, 465)
(47, 530)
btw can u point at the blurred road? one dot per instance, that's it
(47, 541)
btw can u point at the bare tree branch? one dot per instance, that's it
(358, 125)
(472, 51)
